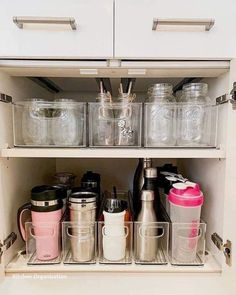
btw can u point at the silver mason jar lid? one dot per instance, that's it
(150, 172)
(147, 195)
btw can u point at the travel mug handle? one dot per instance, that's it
(21, 228)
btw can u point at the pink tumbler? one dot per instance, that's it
(186, 200)
(46, 212)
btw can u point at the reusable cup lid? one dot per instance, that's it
(66, 178)
(62, 190)
(44, 193)
(115, 206)
(81, 195)
(45, 198)
(186, 194)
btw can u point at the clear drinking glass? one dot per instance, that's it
(160, 116)
(35, 122)
(192, 114)
(67, 123)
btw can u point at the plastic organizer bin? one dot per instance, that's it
(115, 242)
(43, 243)
(157, 243)
(179, 124)
(115, 124)
(59, 123)
(151, 242)
(79, 243)
(187, 245)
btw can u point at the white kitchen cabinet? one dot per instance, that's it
(79, 29)
(156, 29)
(22, 168)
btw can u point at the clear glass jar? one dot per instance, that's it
(66, 126)
(192, 112)
(104, 124)
(160, 116)
(35, 122)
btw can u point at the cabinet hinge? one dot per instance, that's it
(225, 98)
(7, 243)
(233, 96)
(226, 248)
(5, 98)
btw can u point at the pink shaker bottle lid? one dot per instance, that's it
(186, 194)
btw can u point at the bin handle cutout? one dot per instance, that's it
(142, 229)
(112, 236)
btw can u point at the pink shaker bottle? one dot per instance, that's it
(186, 200)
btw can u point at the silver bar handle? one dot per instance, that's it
(21, 20)
(207, 23)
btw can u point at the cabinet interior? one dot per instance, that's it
(19, 175)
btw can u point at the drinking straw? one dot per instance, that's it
(115, 192)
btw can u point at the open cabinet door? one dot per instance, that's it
(229, 272)
(2, 268)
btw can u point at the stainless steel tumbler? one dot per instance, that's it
(82, 206)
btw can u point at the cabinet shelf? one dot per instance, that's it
(112, 153)
(19, 265)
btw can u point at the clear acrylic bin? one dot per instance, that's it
(79, 243)
(115, 243)
(187, 246)
(43, 243)
(49, 123)
(115, 124)
(179, 124)
(151, 242)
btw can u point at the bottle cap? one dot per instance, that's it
(147, 195)
(187, 194)
(150, 172)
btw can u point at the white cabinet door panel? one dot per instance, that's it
(134, 37)
(93, 37)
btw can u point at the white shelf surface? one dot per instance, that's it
(19, 152)
(19, 265)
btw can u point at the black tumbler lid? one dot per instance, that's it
(44, 193)
(115, 205)
(90, 176)
(62, 190)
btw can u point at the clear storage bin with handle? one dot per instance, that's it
(43, 242)
(151, 242)
(49, 123)
(187, 243)
(79, 242)
(115, 124)
(115, 242)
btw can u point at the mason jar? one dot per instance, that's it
(102, 121)
(160, 116)
(192, 114)
(67, 123)
(35, 129)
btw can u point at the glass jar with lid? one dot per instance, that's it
(160, 116)
(193, 110)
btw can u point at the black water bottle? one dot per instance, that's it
(150, 183)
